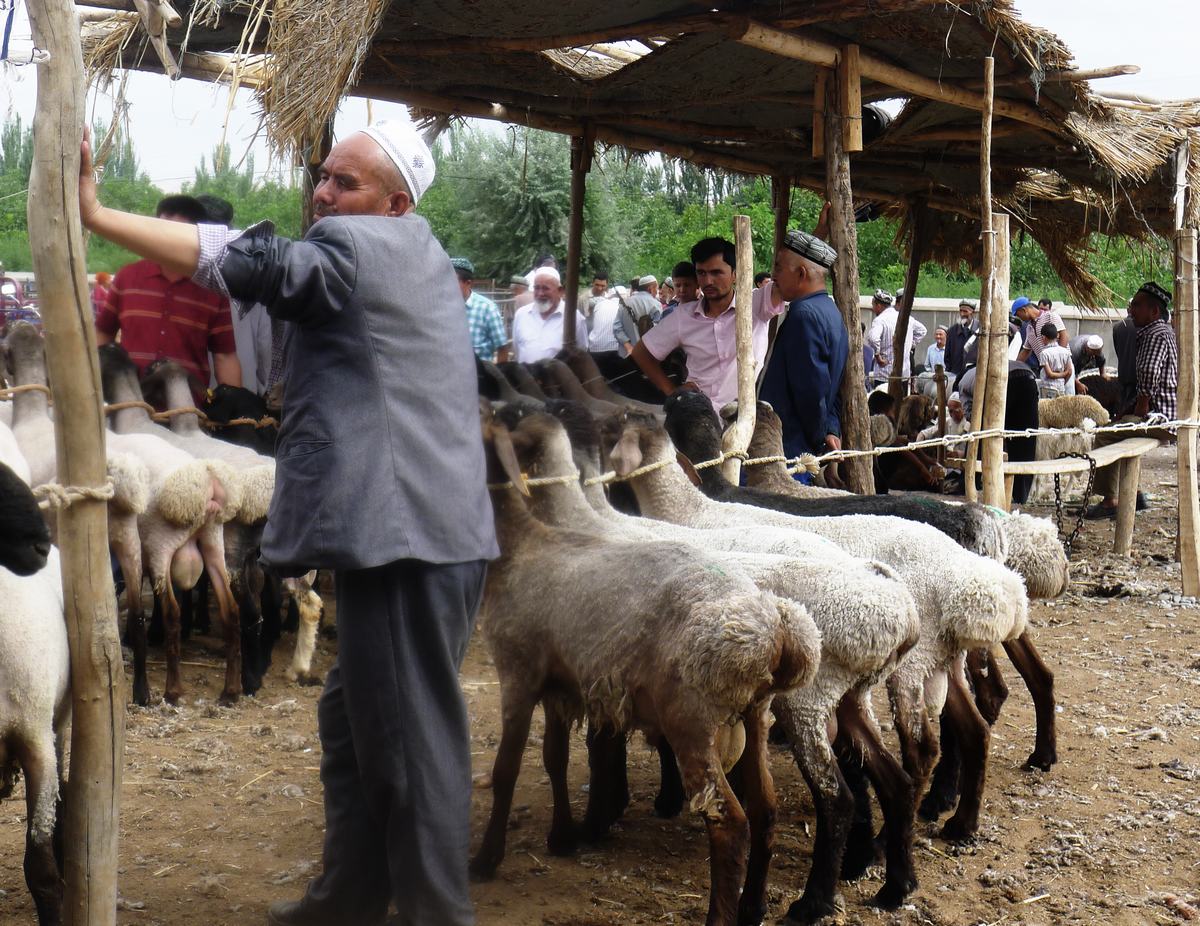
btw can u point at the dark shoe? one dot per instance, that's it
(296, 913)
(1143, 503)
(1099, 513)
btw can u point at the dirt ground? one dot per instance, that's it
(221, 808)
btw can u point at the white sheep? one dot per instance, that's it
(1065, 411)
(694, 648)
(35, 709)
(965, 601)
(866, 619)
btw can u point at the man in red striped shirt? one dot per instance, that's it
(165, 316)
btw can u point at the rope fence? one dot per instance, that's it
(12, 392)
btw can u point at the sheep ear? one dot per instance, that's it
(506, 455)
(626, 456)
(686, 465)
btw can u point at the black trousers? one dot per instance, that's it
(1021, 412)
(396, 754)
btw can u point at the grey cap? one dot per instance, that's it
(810, 247)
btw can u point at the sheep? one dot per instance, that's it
(1031, 549)
(694, 651)
(493, 384)
(696, 432)
(226, 404)
(584, 366)
(866, 619)
(522, 380)
(35, 707)
(1065, 411)
(555, 376)
(984, 605)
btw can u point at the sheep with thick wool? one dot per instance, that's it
(866, 618)
(1065, 411)
(692, 650)
(986, 604)
(35, 709)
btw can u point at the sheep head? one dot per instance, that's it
(24, 537)
(1035, 553)
(118, 375)
(502, 464)
(693, 425)
(26, 353)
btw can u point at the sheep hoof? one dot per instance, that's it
(937, 802)
(172, 697)
(1039, 759)
(228, 698)
(562, 843)
(892, 894)
(751, 914)
(141, 693)
(482, 869)
(309, 680)
(859, 856)
(668, 806)
(810, 910)
(957, 831)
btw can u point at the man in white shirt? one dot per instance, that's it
(882, 334)
(601, 339)
(538, 327)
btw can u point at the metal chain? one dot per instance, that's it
(1069, 543)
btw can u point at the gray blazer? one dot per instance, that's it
(379, 455)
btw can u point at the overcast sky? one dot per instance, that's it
(175, 124)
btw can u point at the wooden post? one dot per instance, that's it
(843, 234)
(1129, 471)
(820, 99)
(581, 163)
(737, 436)
(939, 377)
(1186, 306)
(98, 694)
(983, 338)
(997, 370)
(850, 98)
(781, 199)
(314, 156)
(897, 385)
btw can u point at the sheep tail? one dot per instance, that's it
(799, 647)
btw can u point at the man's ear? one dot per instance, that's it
(398, 202)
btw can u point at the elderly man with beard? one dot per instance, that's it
(959, 338)
(537, 331)
(379, 393)
(705, 329)
(804, 378)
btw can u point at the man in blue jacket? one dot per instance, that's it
(804, 378)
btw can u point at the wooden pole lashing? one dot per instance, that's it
(1187, 303)
(737, 436)
(97, 672)
(581, 162)
(843, 234)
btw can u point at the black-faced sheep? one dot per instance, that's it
(690, 653)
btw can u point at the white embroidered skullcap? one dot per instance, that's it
(403, 145)
(954, 397)
(647, 280)
(1095, 342)
(547, 272)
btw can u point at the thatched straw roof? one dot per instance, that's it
(685, 80)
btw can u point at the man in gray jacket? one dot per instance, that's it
(380, 476)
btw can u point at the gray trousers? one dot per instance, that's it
(396, 753)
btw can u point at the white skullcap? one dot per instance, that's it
(403, 145)
(954, 397)
(1095, 342)
(647, 280)
(547, 272)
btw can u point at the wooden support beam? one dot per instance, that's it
(582, 147)
(820, 96)
(1187, 305)
(988, 233)
(93, 795)
(154, 21)
(843, 235)
(781, 201)
(994, 491)
(804, 48)
(918, 246)
(737, 436)
(1081, 74)
(850, 88)
(314, 155)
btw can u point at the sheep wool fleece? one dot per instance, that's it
(380, 475)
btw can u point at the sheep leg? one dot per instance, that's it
(668, 803)
(991, 691)
(974, 737)
(943, 789)
(859, 737)
(804, 716)
(556, 753)
(728, 828)
(246, 586)
(918, 745)
(42, 873)
(129, 558)
(171, 615)
(761, 808)
(514, 734)
(270, 605)
(861, 849)
(212, 551)
(608, 790)
(1040, 682)
(309, 606)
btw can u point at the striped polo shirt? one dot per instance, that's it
(161, 319)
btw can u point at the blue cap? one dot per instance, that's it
(1019, 303)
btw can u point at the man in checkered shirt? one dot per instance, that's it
(1157, 386)
(484, 321)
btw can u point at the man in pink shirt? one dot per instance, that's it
(705, 328)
